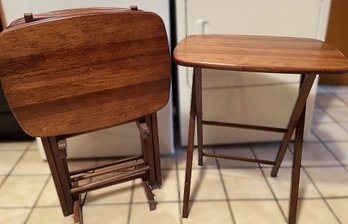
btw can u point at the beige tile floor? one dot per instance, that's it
(222, 191)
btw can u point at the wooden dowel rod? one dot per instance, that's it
(83, 170)
(269, 162)
(245, 126)
(110, 181)
(106, 171)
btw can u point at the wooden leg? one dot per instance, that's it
(149, 195)
(78, 218)
(199, 113)
(156, 149)
(305, 87)
(60, 174)
(148, 149)
(296, 168)
(189, 157)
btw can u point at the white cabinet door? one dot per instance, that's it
(252, 98)
(264, 17)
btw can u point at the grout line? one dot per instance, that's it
(346, 168)
(13, 150)
(315, 198)
(24, 207)
(2, 181)
(335, 96)
(32, 143)
(318, 166)
(341, 165)
(328, 92)
(325, 142)
(37, 199)
(321, 195)
(337, 197)
(339, 97)
(322, 107)
(328, 149)
(30, 175)
(126, 203)
(14, 166)
(131, 202)
(310, 178)
(338, 141)
(225, 190)
(333, 118)
(269, 185)
(222, 167)
(175, 201)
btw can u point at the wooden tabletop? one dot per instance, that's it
(82, 70)
(260, 54)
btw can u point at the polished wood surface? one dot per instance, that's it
(85, 72)
(260, 54)
(65, 13)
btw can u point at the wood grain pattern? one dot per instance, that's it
(260, 54)
(78, 71)
(67, 13)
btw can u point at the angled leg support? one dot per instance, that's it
(190, 146)
(305, 87)
(199, 113)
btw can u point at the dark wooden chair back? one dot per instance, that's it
(65, 73)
